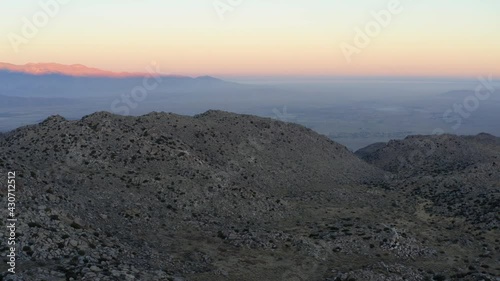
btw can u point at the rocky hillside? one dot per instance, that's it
(456, 178)
(222, 196)
(433, 154)
(459, 174)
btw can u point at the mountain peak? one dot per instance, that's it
(207, 77)
(54, 119)
(68, 70)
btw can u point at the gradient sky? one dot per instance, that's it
(261, 37)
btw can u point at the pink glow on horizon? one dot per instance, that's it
(76, 70)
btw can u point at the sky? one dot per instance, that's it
(258, 38)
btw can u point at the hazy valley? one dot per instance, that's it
(353, 112)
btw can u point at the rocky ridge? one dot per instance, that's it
(222, 196)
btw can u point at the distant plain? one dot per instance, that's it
(353, 112)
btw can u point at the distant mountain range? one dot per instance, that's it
(77, 70)
(78, 81)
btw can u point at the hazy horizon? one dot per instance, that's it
(357, 71)
(259, 38)
(264, 78)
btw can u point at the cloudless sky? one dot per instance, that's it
(260, 37)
